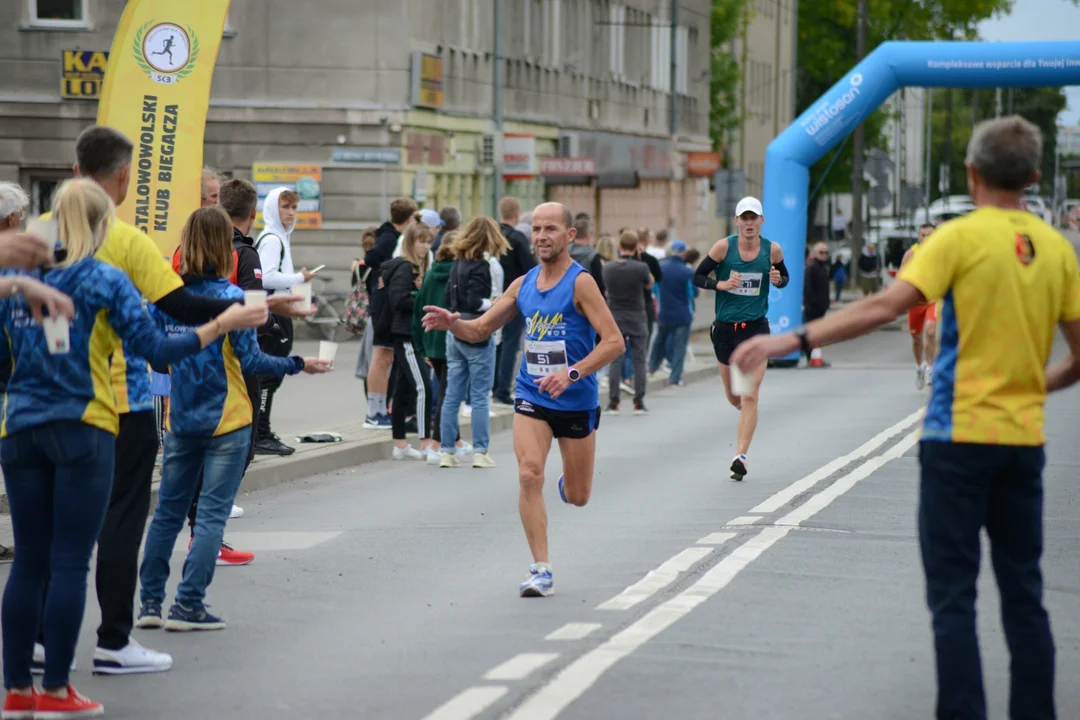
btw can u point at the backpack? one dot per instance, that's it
(356, 305)
(235, 264)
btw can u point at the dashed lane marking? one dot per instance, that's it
(656, 580)
(469, 703)
(716, 538)
(574, 631)
(520, 666)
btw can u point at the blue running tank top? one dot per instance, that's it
(556, 337)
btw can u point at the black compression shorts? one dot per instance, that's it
(727, 336)
(573, 424)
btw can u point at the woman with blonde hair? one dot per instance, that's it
(607, 248)
(59, 436)
(469, 365)
(209, 427)
(402, 277)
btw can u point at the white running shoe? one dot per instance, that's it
(465, 449)
(482, 460)
(132, 659)
(408, 453)
(930, 375)
(466, 411)
(236, 512)
(920, 377)
(37, 667)
(432, 457)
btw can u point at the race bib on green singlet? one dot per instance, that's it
(751, 285)
(545, 357)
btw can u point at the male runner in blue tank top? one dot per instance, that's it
(738, 268)
(557, 392)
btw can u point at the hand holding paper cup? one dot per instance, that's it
(740, 382)
(327, 350)
(254, 297)
(304, 291)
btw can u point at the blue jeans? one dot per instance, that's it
(221, 460)
(58, 477)
(963, 488)
(472, 365)
(507, 363)
(671, 342)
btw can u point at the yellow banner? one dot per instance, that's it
(157, 92)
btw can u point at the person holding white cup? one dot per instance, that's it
(59, 445)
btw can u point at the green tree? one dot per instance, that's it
(826, 52)
(726, 22)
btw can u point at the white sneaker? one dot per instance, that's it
(407, 453)
(465, 449)
(920, 377)
(37, 667)
(466, 411)
(930, 375)
(433, 457)
(449, 460)
(482, 460)
(134, 658)
(236, 512)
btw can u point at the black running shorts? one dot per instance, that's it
(727, 336)
(573, 424)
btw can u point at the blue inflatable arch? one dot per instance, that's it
(891, 66)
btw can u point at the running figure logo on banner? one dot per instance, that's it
(166, 52)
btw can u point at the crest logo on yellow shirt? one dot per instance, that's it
(1025, 249)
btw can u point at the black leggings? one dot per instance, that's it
(412, 380)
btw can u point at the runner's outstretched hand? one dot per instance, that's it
(554, 385)
(437, 318)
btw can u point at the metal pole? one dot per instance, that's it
(497, 103)
(997, 102)
(859, 149)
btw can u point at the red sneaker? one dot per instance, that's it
(228, 556)
(20, 707)
(73, 706)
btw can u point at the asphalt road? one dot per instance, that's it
(390, 590)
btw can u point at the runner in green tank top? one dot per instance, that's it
(740, 269)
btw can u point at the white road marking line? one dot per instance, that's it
(469, 703)
(744, 520)
(574, 631)
(519, 666)
(656, 580)
(716, 538)
(821, 500)
(792, 491)
(580, 675)
(577, 677)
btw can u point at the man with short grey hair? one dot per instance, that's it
(13, 205)
(1006, 281)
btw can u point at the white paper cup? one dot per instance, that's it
(740, 383)
(327, 350)
(254, 297)
(57, 335)
(303, 290)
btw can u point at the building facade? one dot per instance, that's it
(398, 98)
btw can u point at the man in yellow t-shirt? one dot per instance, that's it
(1006, 280)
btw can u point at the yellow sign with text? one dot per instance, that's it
(157, 92)
(83, 74)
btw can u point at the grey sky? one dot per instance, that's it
(1041, 20)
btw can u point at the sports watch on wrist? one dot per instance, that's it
(804, 343)
(573, 374)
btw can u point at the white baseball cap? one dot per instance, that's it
(749, 204)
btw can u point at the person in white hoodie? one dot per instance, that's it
(278, 275)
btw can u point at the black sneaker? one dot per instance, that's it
(640, 409)
(272, 446)
(150, 615)
(738, 467)
(183, 619)
(612, 409)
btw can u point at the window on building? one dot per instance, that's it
(617, 18)
(59, 13)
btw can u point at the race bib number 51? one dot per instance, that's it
(545, 357)
(751, 285)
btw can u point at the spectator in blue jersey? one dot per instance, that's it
(676, 315)
(60, 422)
(210, 418)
